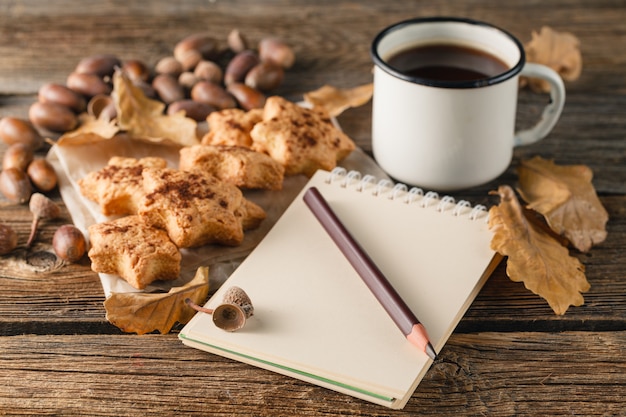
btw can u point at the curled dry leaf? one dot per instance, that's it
(565, 196)
(90, 130)
(534, 257)
(336, 100)
(143, 313)
(557, 50)
(143, 118)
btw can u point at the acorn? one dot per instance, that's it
(232, 314)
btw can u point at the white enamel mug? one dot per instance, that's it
(449, 135)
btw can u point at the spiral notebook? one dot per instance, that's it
(316, 320)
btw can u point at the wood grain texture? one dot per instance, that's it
(510, 355)
(480, 374)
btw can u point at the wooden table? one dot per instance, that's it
(510, 355)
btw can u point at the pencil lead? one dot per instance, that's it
(430, 351)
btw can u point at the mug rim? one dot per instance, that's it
(496, 79)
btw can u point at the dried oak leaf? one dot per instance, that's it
(534, 257)
(565, 196)
(90, 130)
(337, 100)
(557, 50)
(143, 313)
(143, 118)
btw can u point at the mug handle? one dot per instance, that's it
(552, 111)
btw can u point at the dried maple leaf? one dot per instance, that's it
(336, 100)
(557, 50)
(143, 313)
(565, 196)
(143, 118)
(534, 257)
(90, 130)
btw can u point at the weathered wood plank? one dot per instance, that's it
(488, 373)
(39, 291)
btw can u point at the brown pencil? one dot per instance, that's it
(373, 277)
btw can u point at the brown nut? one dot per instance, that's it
(42, 174)
(102, 107)
(188, 79)
(18, 155)
(248, 98)
(101, 65)
(189, 59)
(60, 94)
(169, 65)
(168, 88)
(8, 239)
(15, 185)
(16, 130)
(53, 117)
(136, 70)
(212, 94)
(209, 71)
(236, 41)
(239, 66)
(87, 84)
(203, 43)
(277, 51)
(147, 89)
(193, 109)
(265, 76)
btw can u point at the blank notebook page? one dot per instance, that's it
(314, 316)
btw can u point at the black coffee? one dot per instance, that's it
(443, 62)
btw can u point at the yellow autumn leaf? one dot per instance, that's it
(142, 313)
(144, 118)
(90, 130)
(336, 100)
(534, 257)
(557, 50)
(565, 196)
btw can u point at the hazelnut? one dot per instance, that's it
(265, 76)
(101, 65)
(239, 66)
(60, 94)
(209, 71)
(248, 98)
(188, 79)
(15, 130)
(189, 59)
(212, 94)
(168, 88)
(87, 84)
(15, 185)
(53, 117)
(42, 174)
(277, 51)
(236, 41)
(17, 156)
(8, 239)
(136, 70)
(169, 65)
(203, 43)
(193, 109)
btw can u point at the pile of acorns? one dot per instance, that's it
(200, 77)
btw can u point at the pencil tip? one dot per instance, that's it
(430, 351)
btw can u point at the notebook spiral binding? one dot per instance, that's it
(401, 192)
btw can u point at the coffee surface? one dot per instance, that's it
(444, 62)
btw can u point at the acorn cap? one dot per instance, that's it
(229, 317)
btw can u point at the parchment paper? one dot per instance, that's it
(73, 162)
